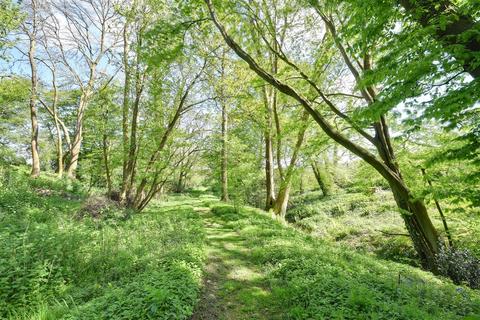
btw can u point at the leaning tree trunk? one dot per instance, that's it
(322, 179)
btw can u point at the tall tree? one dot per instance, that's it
(86, 31)
(419, 225)
(31, 29)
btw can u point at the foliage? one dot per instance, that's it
(9, 19)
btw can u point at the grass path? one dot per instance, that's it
(234, 287)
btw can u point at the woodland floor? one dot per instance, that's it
(234, 286)
(193, 253)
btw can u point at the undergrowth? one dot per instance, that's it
(55, 265)
(372, 223)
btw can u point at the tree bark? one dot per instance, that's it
(322, 179)
(269, 172)
(281, 202)
(106, 161)
(57, 128)
(452, 35)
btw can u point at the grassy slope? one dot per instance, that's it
(372, 223)
(313, 279)
(54, 266)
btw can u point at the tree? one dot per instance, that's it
(31, 29)
(419, 225)
(87, 33)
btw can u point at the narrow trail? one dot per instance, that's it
(234, 287)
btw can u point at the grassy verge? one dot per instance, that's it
(313, 279)
(55, 266)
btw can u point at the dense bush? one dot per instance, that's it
(55, 266)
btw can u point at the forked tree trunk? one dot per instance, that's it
(281, 201)
(78, 137)
(128, 180)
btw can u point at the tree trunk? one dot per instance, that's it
(78, 137)
(125, 114)
(224, 153)
(33, 97)
(281, 203)
(322, 178)
(420, 228)
(453, 35)
(58, 129)
(106, 163)
(269, 171)
(269, 164)
(59, 148)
